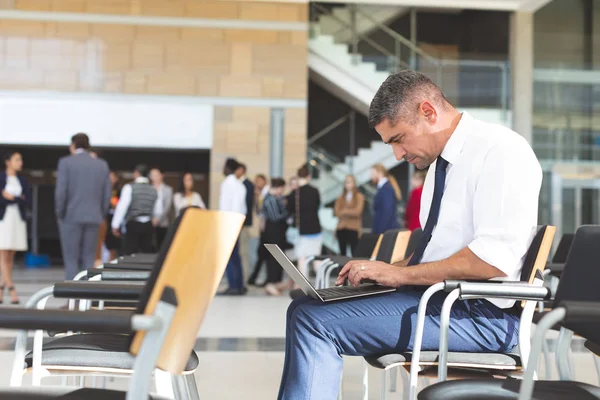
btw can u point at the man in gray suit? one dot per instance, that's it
(82, 199)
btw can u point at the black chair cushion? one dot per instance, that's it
(500, 389)
(45, 393)
(95, 351)
(506, 361)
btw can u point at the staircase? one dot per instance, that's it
(334, 23)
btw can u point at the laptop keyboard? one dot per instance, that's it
(343, 291)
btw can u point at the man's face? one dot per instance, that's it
(156, 177)
(417, 143)
(239, 172)
(259, 183)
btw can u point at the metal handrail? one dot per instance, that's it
(328, 129)
(367, 39)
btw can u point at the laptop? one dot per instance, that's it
(328, 294)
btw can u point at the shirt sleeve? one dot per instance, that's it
(505, 206)
(226, 197)
(122, 207)
(158, 207)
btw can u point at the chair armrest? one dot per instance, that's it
(64, 320)
(555, 269)
(512, 291)
(118, 275)
(129, 266)
(97, 291)
(581, 311)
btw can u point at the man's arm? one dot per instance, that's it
(107, 192)
(122, 208)
(61, 190)
(462, 265)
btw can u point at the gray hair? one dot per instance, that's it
(399, 97)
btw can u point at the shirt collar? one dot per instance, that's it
(79, 151)
(382, 182)
(456, 142)
(141, 179)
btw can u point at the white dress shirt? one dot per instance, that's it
(382, 182)
(125, 201)
(490, 201)
(232, 196)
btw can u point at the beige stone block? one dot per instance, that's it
(273, 87)
(172, 84)
(222, 114)
(234, 86)
(256, 115)
(284, 37)
(202, 34)
(60, 80)
(241, 59)
(70, 30)
(33, 5)
(291, 12)
(299, 38)
(21, 78)
(113, 82)
(295, 90)
(134, 82)
(148, 56)
(117, 58)
(16, 52)
(157, 33)
(69, 5)
(290, 61)
(250, 36)
(113, 33)
(21, 28)
(296, 115)
(207, 85)
(259, 11)
(212, 9)
(211, 57)
(163, 8)
(122, 7)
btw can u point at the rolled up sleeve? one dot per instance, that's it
(505, 206)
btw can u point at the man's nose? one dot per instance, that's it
(399, 151)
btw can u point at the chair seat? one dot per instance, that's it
(93, 350)
(481, 360)
(46, 393)
(500, 389)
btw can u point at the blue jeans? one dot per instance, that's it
(318, 334)
(235, 276)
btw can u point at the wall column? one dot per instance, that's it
(521, 67)
(276, 133)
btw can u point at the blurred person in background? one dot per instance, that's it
(82, 199)
(303, 206)
(165, 197)
(186, 196)
(232, 197)
(275, 214)
(112, 242)
(413, 205)
(138, 211)
(14, 200)
(261, 190)
(246, 233)
(385, 204)
(349, 210)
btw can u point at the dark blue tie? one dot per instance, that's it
(434, 211)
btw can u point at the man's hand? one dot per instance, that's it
(155, 222)
(385, 274)
(116, 233)
(8, 196)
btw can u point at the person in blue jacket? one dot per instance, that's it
(385, 204)
(15, 198)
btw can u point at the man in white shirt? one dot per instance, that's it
(138, 206)
(232, 197)
(479, 212)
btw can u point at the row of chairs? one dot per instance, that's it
(529, 290)
(140, 321)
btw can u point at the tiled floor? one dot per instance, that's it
(240, 347)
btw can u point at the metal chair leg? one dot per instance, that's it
(393, 379)
(192, 388)
(384, 385)
(547, 364)
(164, 384)
(365, 394)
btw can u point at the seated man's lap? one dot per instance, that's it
(386, 323)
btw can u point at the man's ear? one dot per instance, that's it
(428, 111)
